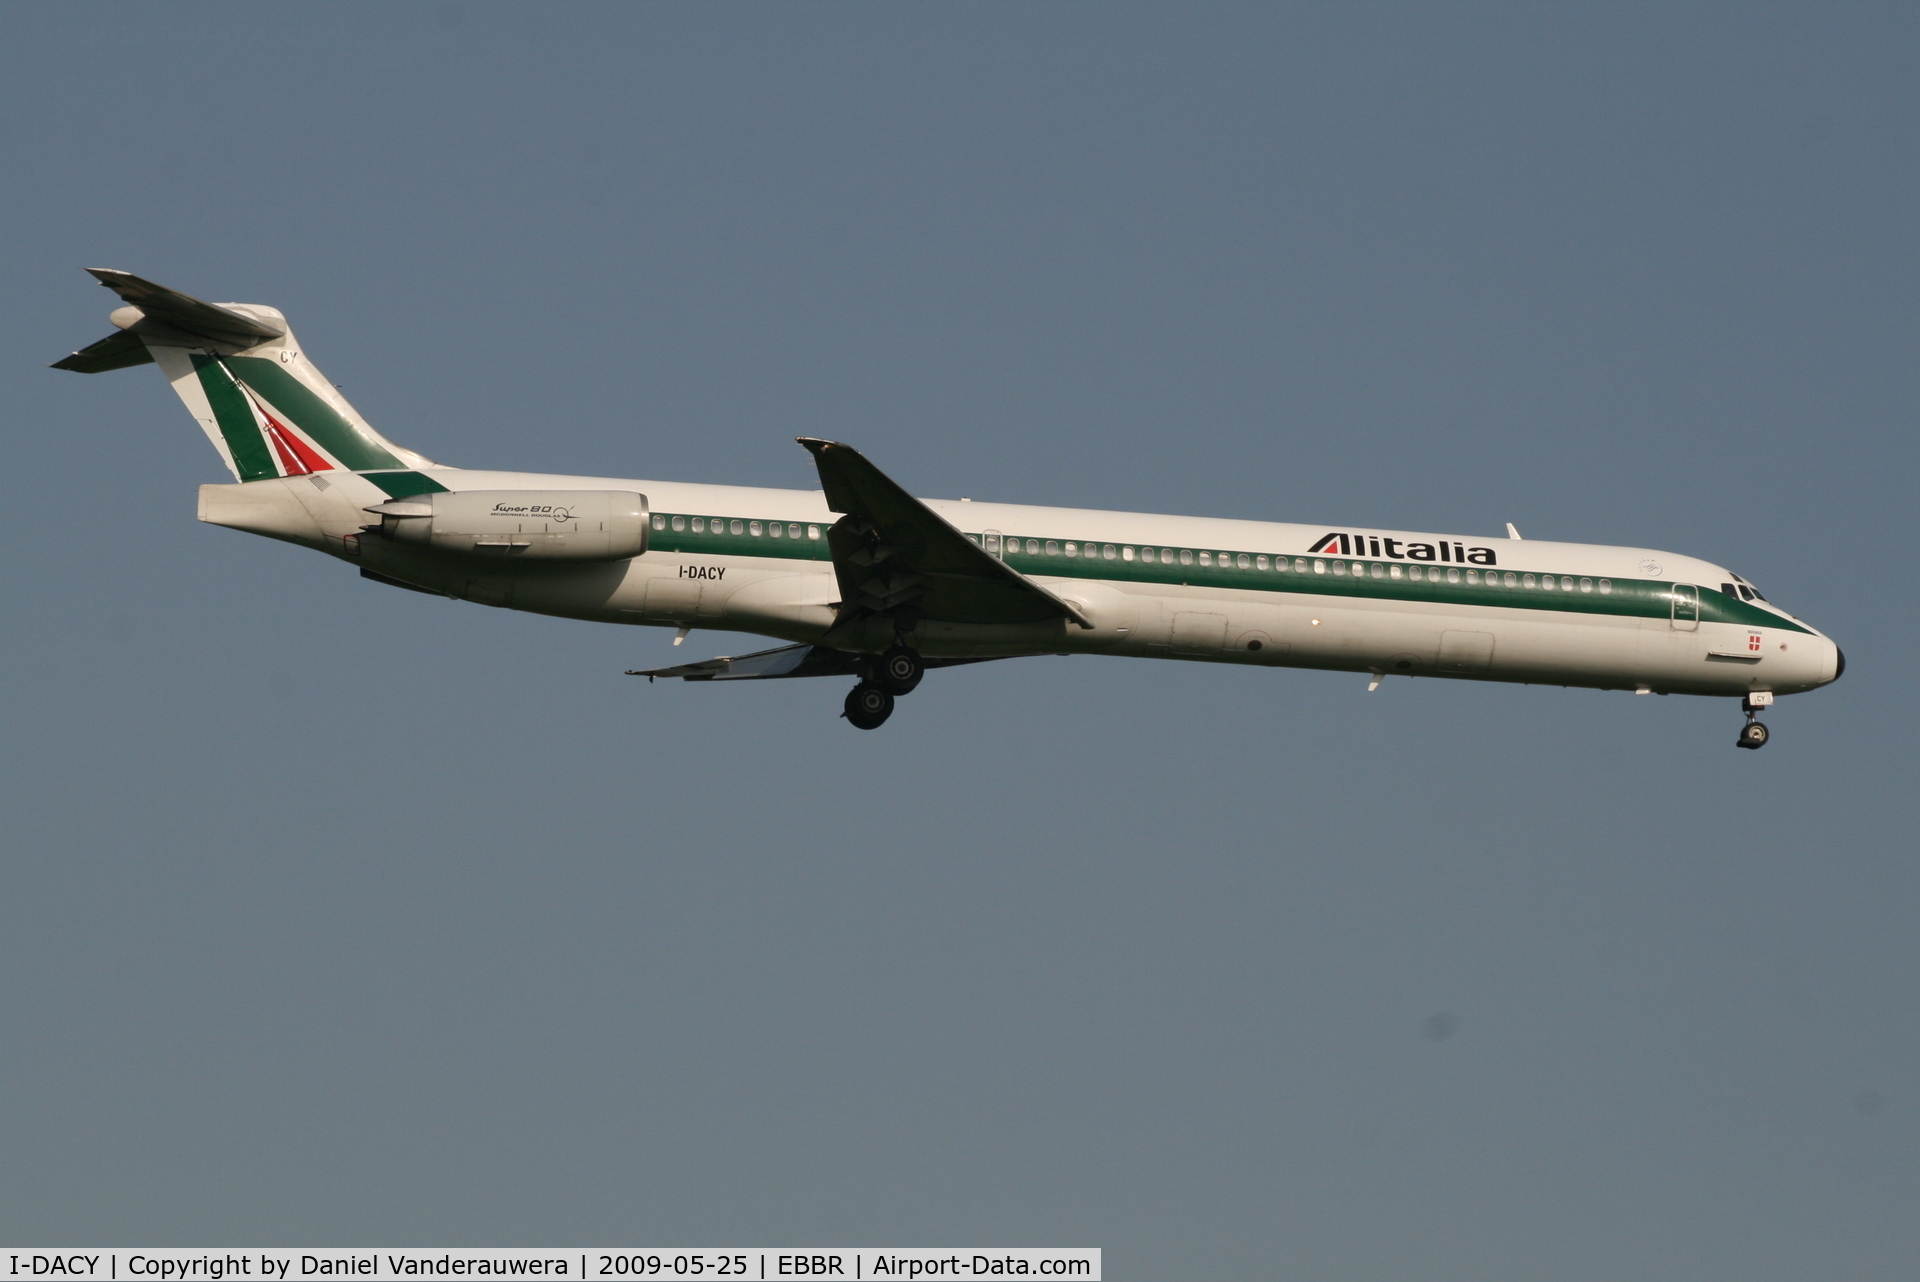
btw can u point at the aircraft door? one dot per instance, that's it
(991, 541)
(1196, 633)
(1686, 608)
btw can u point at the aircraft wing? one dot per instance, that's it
(787, 661)
(894, 555)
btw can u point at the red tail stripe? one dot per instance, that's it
(296, 456)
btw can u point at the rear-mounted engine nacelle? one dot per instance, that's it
(541, 525)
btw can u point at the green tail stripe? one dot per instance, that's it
(311, 415)
(400, 485)
(251, 457)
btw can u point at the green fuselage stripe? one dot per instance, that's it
(1638, 598)
(403, 485)
(238, 427)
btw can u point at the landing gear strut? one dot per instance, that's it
(1754, 734)
(868, 706)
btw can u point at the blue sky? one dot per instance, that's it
(340, 914)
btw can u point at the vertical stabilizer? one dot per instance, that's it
(243, 376)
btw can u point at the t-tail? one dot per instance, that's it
(242, 374)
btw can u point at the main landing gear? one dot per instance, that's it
(1754, 734)
(868, 706)
(900, 671)
(895, 673)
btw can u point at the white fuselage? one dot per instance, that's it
(1153, 586)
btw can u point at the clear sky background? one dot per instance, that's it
(338, 914)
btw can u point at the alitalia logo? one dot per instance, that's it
(1372, 545)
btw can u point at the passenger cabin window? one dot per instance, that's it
(1586, 585)
(659, 522)
(1186, 556)
(733, 528)
(1260, 561)
(775, 530)
(1206, 558)
(813, 531)
(1606, 585)
(753, 528)
(1053, 547)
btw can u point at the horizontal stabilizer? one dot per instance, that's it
(171, 307)
(116, 351)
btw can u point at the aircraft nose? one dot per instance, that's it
(1839, 663)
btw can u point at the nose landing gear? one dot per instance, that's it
(1754, 734)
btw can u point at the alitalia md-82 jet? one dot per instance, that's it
(863, 580)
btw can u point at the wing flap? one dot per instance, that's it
(786, 661)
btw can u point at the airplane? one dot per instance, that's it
(861, 579)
